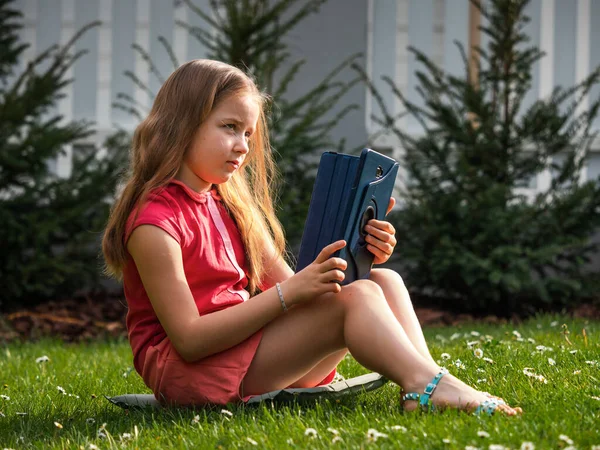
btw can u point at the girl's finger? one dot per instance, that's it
(335, 275)
(382, 225)
(383, 246)
(330, 250)
(378, 233)
(390, 205)
(379, 255)
(334, 263)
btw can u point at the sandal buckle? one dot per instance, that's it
(429, 389)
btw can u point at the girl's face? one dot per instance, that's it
(220, 145)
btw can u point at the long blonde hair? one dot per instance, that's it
(160, 142)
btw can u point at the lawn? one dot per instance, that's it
(52, 397)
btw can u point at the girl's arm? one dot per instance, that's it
(159, 262)
(277, 269)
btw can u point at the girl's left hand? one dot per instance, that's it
(381, 238)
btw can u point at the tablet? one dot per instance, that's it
(348, 192)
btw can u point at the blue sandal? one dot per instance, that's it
(488, 406)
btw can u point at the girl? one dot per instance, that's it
(215, 313)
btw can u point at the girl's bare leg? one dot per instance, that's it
(398, 298)
(357, 318)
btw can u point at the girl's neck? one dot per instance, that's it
(191, 180)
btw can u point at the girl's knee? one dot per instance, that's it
(363, 289)
(381, 275)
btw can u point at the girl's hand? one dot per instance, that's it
(381, 238)
(323, 275)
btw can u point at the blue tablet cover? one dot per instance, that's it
(348, 192)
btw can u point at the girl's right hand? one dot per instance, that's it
(323, 275)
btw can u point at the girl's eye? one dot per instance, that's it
(231, 126)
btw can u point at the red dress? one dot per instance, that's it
(214, 265)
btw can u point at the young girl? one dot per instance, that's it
(215, 313)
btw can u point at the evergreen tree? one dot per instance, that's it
(250, 35)
(50, 224)
(468, 232)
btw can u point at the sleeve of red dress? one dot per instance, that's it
(158, 212)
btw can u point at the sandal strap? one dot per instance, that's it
(428, 392)
(488, 407)
(430, 388)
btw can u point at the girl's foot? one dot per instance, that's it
(453, 393)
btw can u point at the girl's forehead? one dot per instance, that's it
(240, 104)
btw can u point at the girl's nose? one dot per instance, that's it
(242, 145)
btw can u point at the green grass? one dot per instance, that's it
(38, 415)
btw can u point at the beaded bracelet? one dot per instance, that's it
(283, 305)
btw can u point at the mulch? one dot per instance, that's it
(103, 316)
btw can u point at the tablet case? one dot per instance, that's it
(348, 192)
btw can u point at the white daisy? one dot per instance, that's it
(527, 446)
(252, 441)
(483, 434)
(566, 439)
(551, 362)
(311, 432)
(42, 359)
(226, 412)
(478, 353)
(445, 356)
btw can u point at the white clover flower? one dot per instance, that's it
(42, 359)
(311, 432)
(125, 437)
(58, 425)
(333, 431)
(526, 445)
(566, 439)
(61, 390)
(195, 420)
(483, 434)
(445, 356)
(551, 362)
(478, 353)
(398, 428)
(226, 412)
(5, 397)
(251, 441)
(373, 435)
(488, 360)
(336, 439)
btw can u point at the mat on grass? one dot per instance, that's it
(363, 383)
